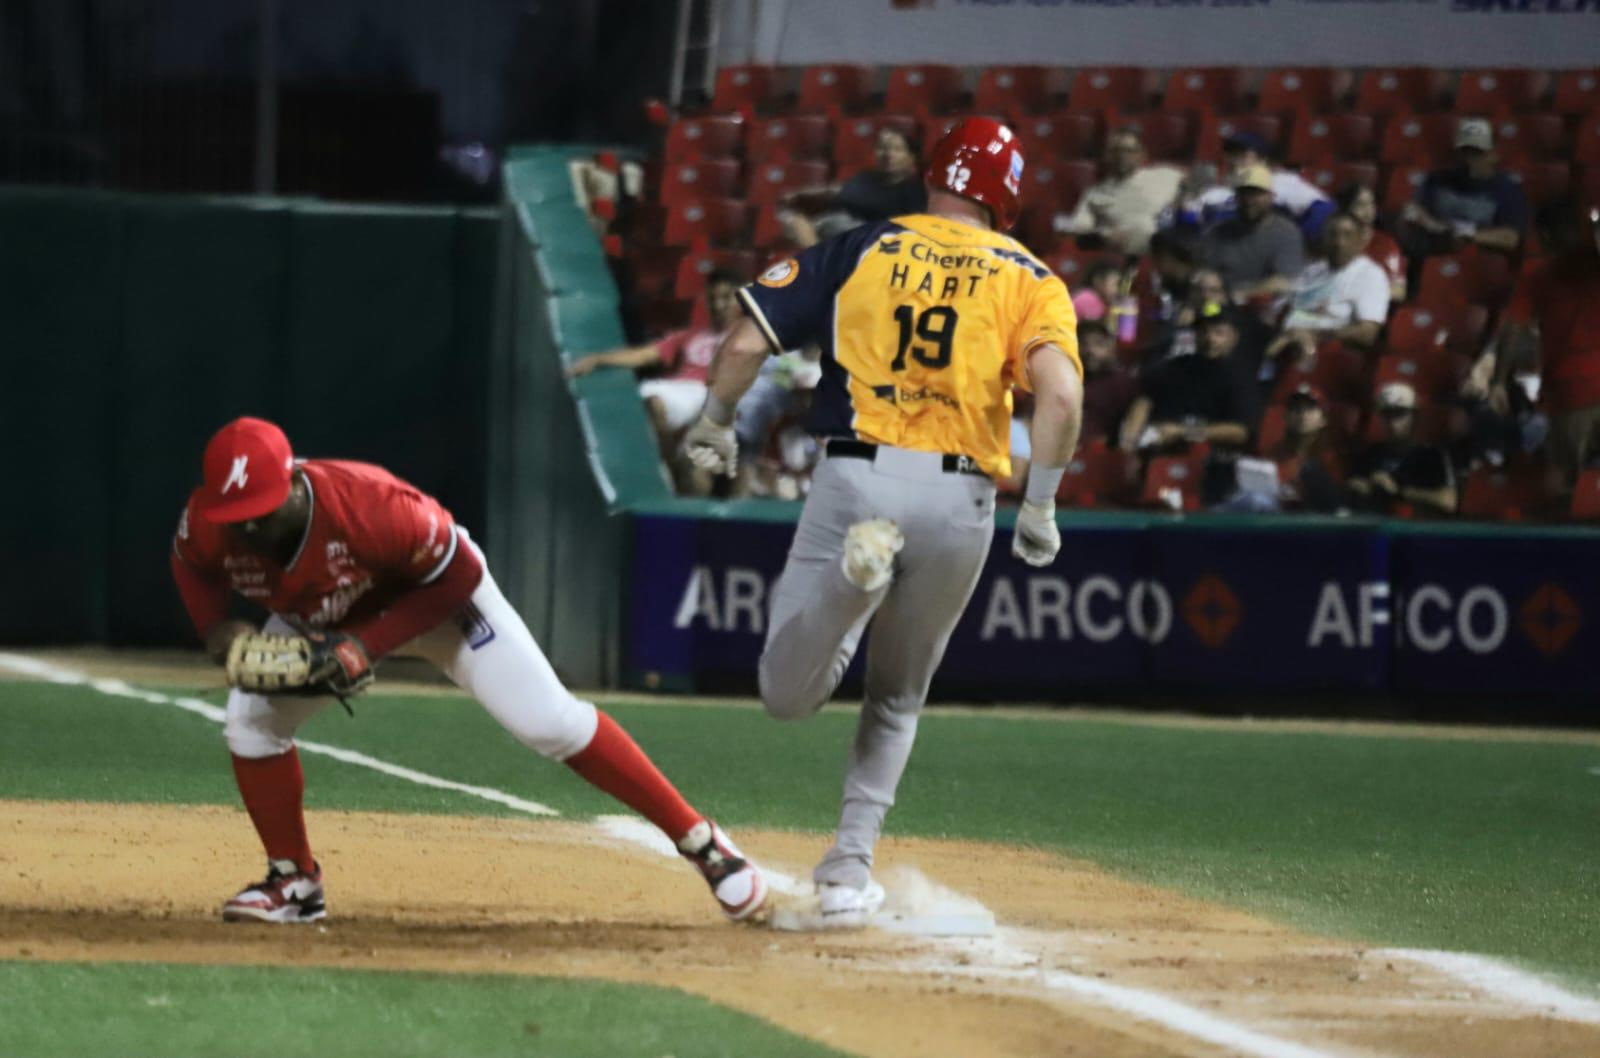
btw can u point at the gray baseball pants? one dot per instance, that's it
(818, 617)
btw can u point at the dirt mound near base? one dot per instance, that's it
(131, 882)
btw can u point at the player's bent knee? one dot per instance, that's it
(253, 742)
(558, 729)
(783, 700)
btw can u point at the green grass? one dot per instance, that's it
(165, 1011)
(1484, 846)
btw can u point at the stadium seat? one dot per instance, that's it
(1531, 137)
(1327, 138)
(706, 222)
(1577, 92)
(1308, 90)
(924, 89)
(653, 270)
(1402, 186)
(1420, 329)
(1512, 493)
(741, 87)
(659, 316)
(1126, 89)
(1400, 91)
(770, 182)
(1015, 91)
(1099, 475)
(1586, 497)
(1495, 92)
(855, 139)
(1203, 90)
(1064, 134)
(1470, 277)
(1214, 130)
(696, 139)
(1543, 181)
(690, 281)
(1586, 144)
(1423, 139)
(1435, 374)
(1167, 136)
(1334, 178)
(1178, 476)
(1340, 372)
(842, 89)
(793, 138)
(709, 178)
(1057, 185)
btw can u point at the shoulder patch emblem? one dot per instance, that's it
(781, 274)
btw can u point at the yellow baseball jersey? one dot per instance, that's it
(925, 325)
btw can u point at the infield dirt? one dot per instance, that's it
(136, 882)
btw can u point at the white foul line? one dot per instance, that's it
(1505, 982)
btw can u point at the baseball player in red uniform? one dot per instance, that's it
(360, 564)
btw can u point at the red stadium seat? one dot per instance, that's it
(1577, 92)
(1586, 497)
(1469, 277)
(796, 137)
(690, 281)
(707, 222)
(835, 88)
(1056, 186)
(1543, 181)
(770, 182)
(924, 89)
(1167, 136)
(710, 178)
(855, 139)
(1340, 372)
(1311, 90)
(1064, 134)
(1531, 137)
(1334, 178)
(1099, 475)
(1175, 477)
(1122, 88)
(1512, 493)
(1586, 145)
(1326, 138)
(1435, 375)
(659, 316)
(1494, 92)
(1214, 130)
(1422, 329)
(653, 270)
(1015, 91)
(695, 139)
(1401, 91)
(1424, 139)
(738, 87)
(1203, 90)
(1402, 186)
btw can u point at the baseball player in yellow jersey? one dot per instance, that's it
(926, 323)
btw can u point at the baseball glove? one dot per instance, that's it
(310, 664)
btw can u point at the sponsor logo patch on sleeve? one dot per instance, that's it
(781, 274)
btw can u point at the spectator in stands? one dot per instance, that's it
(1122, 208)
(1108, 386)
(1344, 297)
(675, 395)
(1258, 251)
(1471, 203)
(1097, 296)
(1361, 202)
(1200, 397)
(1555, 309)
(1397, 471)
(1308, 468)
(892, 188)
(1291, 192)
(1163, 283)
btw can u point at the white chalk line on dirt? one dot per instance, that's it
(1008, 959)
(1506, 982)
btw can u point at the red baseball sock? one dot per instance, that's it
(274, 789)
(614, 762)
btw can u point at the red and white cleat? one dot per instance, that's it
(737, 883)
(287, 894)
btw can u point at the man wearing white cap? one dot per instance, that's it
(1396, 471)
(1258, 251)
(1472, 203)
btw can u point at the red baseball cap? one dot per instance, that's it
(247, 469)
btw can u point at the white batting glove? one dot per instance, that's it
(1036, 538)
(712, 447)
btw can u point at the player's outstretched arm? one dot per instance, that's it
(710, 443)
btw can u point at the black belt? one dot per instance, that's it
(846, 448)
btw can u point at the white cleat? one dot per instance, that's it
(869, 550)
(846, 907)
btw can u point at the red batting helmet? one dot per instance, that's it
(980, 159)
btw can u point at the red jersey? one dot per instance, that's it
(1561, 295)
(687, 354)
(372, 537)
